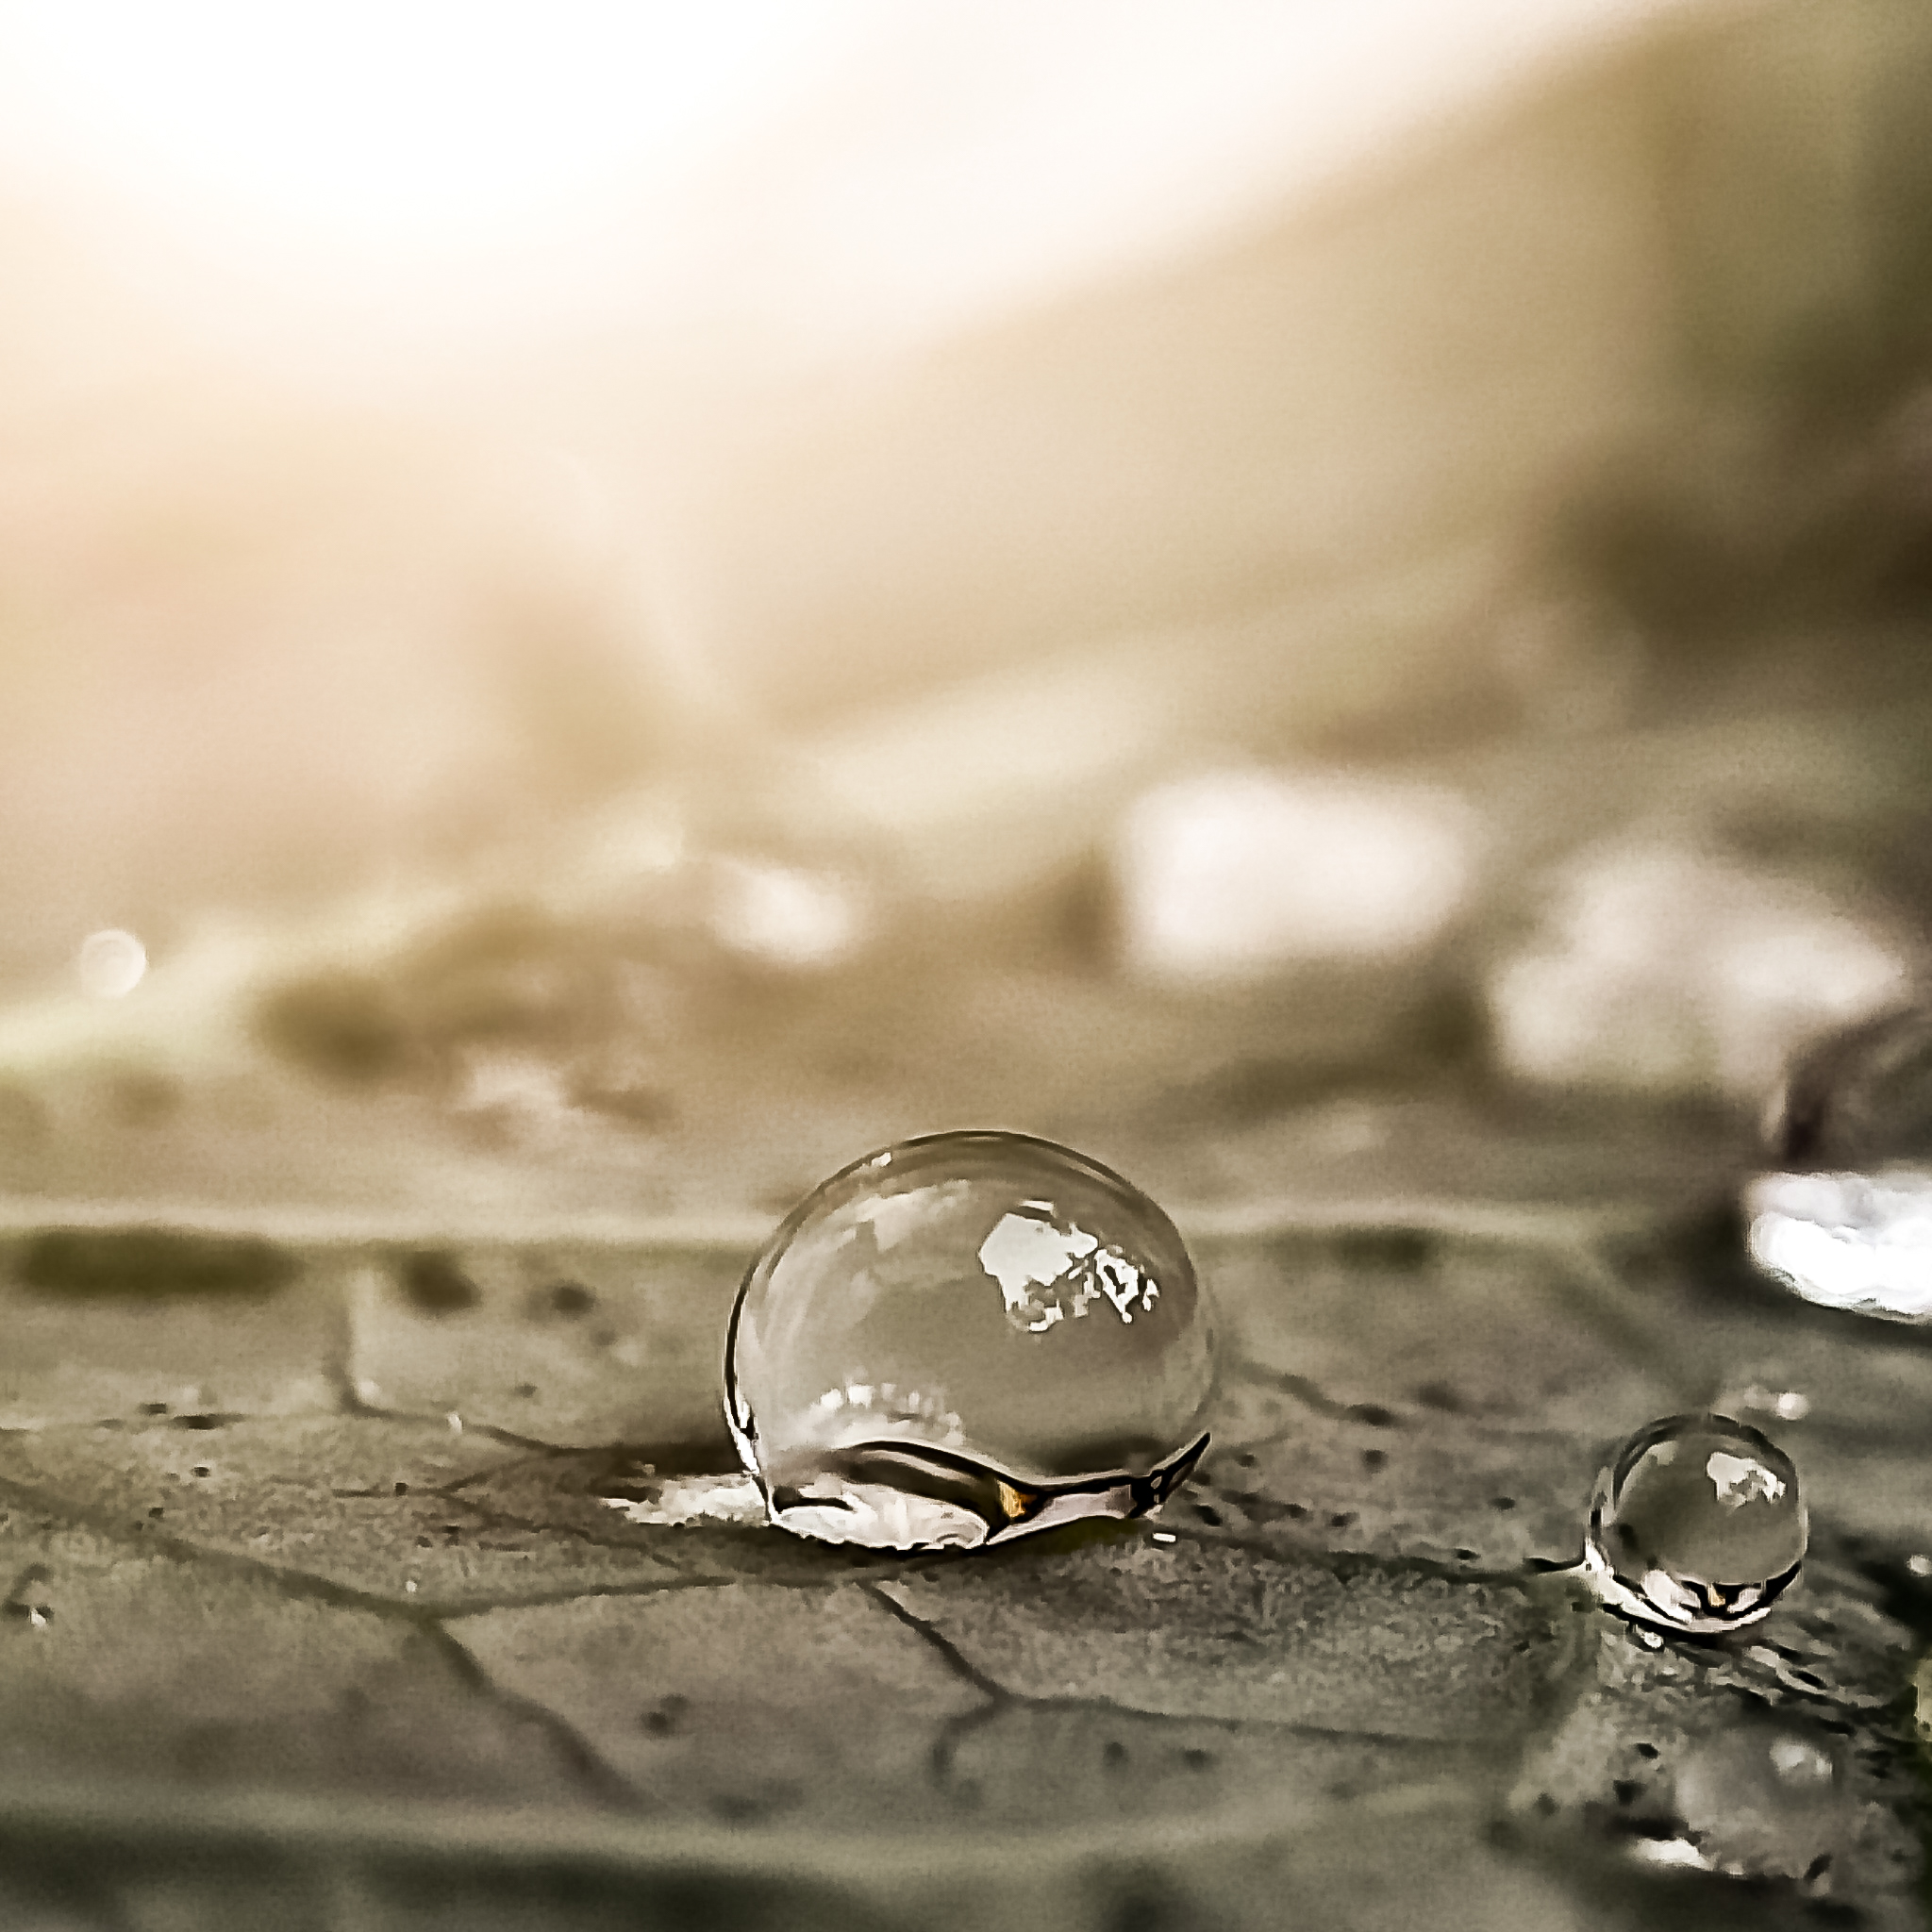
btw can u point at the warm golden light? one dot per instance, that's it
(846, 168)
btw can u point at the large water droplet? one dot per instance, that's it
(1698, 1527)
(1847, 1221)
(965, 1337)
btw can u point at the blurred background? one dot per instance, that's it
(603, 607)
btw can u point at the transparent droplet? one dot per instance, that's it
(1765, 1798)
(1846, 1219)
(1698, 1527)
(111, 964)
(965, 1337)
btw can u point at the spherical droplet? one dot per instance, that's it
(1846, 1219)
(1698, 1527)
(112, 963)
(965, 1337)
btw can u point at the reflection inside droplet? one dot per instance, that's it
(112, 963)
(968, 1337)
(1698, 1527)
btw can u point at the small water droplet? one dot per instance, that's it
(1765, 1798)
(111, 964)
(1698, 1527)
(982, 1335)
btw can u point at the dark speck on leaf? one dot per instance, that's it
(1209, 1514)
(344, 1028)
(1196, 1759)
(437, 1285)
(666, 1716)
(1372, 1413)
(1646, 1750)
(1501, 1501)
(1439, 1396)
(1403, 1248)
(1115, 1752)
(1374, 1458)
(569, 1298)
(1342, 1519)
(1624, 1790)
(526, 1389)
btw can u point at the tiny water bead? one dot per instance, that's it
(1698, 1527)
(965, 1337)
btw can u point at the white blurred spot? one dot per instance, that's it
(112, 963)
(1238, 873)
(1920, 1566)
(783, 916)
(1847, 1241)
(1669, 1851)
(1788, 1404)
(734, 1499)
(1665, 971)
(1800, 1763)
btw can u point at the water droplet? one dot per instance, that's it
(1847, 1221)
(1698, 1527)
(1847, 1241)
(111, 964)
(967, 1337)
(1765, 1798)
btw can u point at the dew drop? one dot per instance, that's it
(1696, 1527)
(111, 964)
(1846, 1218)
(966, 1338)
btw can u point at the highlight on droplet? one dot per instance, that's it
(112, 963)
